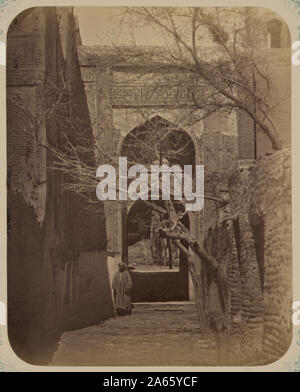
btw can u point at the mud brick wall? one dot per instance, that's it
(93, 302)
(261, 199)
(251, 294)
(254, 252)
(220, 242)
(48, 227)
(235, 290)
(28, 286)
(25, 272)
(25, 62)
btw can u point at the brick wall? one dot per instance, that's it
(49, 228)
(278, 61)
(261, 198)
(254, 250)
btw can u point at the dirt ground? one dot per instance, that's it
(156, 334)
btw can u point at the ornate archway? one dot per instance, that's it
(155, 141)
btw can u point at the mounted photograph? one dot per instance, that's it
(149, 188)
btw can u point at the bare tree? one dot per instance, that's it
(229, 76)
(157, 142)
(214, 56)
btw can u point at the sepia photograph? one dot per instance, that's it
(149, 193)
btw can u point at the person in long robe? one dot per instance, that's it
(122, 285)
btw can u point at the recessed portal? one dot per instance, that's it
(158, 268)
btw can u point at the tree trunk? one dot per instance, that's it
(196, 279)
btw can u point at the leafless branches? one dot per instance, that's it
(210, 48)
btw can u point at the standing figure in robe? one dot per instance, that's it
(122, 285)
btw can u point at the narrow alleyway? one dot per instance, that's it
(156, 334)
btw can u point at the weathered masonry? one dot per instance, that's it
(61, 257)
(254, 247)
(124, 95)
(57, 271)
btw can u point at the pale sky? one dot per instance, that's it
(103, 25)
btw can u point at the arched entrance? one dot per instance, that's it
(158, 269)
(158, 139)
(154, 278)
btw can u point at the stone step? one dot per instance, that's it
(174, 306)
